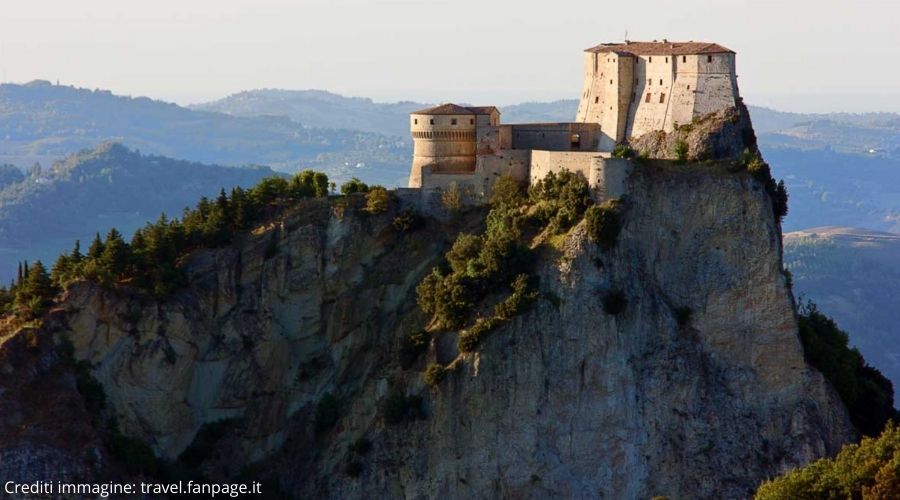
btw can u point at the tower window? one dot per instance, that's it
(648, 97)
(709, 59)
(610, 82)
(660, 81)
(471, 121)
(453, 121)
(689, 87)
(596, 100)
(662, 98)
(667, 59)
(649, 81)
(684, 59)
(431, 121)
(650, 59)
(415, 121)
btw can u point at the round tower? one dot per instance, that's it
(444, 141)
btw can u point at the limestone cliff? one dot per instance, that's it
(564, 400)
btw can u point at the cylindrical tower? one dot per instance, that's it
(444, 141)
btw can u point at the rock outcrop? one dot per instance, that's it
(564, 400)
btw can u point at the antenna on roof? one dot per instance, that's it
(626, 36)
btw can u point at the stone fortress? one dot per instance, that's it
(630, 89)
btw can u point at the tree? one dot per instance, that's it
(378, 200)
(115, 256)
(96, 248)
(354, 185)
(36, 292)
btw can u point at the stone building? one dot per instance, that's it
(630, 89)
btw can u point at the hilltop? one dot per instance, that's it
(41, 213)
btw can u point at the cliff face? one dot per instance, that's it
(563, 400)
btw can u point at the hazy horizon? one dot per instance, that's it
(497, 53)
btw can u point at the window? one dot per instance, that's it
(684, 59)
(689, 87)
(648, 97)
(660, 81)
(610, 82)
(709, 59)
(431, 121)
(662, 98)
(575, 141)
(667, 59)
(650, 59)
(415, 121)
(453, 121)
(471, 121)
(649, 81)
(596, 100)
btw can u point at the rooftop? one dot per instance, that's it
(455, 109)
(663, 48)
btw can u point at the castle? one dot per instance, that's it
(630, 89)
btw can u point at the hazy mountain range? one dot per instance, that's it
(854, 276)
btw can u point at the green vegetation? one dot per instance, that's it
(378, 200)
(327, 412)
(868, 395)
(868, 470)
(604, 222)
(559, 200)
(681, 151)
(623, 151)
(353, 186)
(760, 171)
(407, 221)
(413, 345)
(30, 294)
(434, 374)
(451, 198)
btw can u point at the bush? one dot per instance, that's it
(470, 337)
(326, 412)
(522, 296)
(614, 302)
(412, 346)
(507, 193)
(683, 316)
(407, 221)
(378, 200)
(681, 151)
(868, 395)
(604, 222)
(869, 470)
(353, 186)
(451, 198)
(434, 374)
(561, 199)
(623, 151)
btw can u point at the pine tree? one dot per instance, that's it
(61, 271)
(96, 248)
(115, 256)
(76, 256)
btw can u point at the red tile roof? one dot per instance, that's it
(454, 109)
(664, 48)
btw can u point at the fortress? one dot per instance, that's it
(630, 89)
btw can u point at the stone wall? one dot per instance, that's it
(554, 136)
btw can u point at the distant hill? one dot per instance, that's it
(43, 122)
(853, 275)
(94, 190)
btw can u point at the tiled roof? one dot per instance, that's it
(454, 109)
(664, 48)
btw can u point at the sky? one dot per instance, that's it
(794, 55)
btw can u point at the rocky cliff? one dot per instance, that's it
(697, 388)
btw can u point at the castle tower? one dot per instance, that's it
(444, 139)
(633, 88)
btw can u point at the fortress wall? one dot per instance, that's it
(554, 136)
(600, 98)
(716, 86)
(608, 177)
(587, 88)
(483, 174)
(544, 162)
(441, 143)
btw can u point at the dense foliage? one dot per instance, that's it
(868, 395)
(869, 470)
(478, 266)
(760, 171)
(604, 221)
(150, 260)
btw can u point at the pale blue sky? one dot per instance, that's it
(799, 55)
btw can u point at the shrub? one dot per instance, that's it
(407, 221)
(507, 193)
(604, 222)
(469, 338)
(451, 198)
(522, 295)
(869, 470)
(614, 302)
(623, 151)
(681, 151)
(378, 200)
(868, 395)
(683, 316)
(434, 374)
(412, 346)
(561, 199)
(354, 185)
(326, 412)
